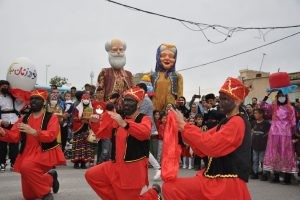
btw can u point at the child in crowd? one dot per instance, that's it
(69, 110)
(156, 116)
(260, 131)
(187, 154)
(104, 144)
(161, 129)
(199, 123)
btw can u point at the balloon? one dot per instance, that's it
(22, 74)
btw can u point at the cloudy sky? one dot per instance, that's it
(69, 35)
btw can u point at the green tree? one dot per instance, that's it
(59, 81)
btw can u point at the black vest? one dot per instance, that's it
(135, 149)
(45, 121)
(235, 164)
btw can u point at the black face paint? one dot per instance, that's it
(227, 104)
(130, 106)
(4, 90)
(36, 104)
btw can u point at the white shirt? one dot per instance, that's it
(6, 104)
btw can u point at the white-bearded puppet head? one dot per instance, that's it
(116, 53)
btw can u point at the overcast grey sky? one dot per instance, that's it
(70, 35)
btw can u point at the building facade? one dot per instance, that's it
(258, 82)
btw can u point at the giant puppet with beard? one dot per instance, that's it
(167, 83)
(115, 79)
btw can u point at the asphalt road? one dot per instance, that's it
(74, 186)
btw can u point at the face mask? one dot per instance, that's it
(36, 104)
(281, 99)
(4, 90)
(86, 102)
(130, 106)
(53, 102)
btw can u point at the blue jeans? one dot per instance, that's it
(258, 158)
(104, 150)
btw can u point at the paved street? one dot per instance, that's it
(74, 186)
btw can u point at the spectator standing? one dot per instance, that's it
(83, 151)
(146, 107)
(249, 110)
(199, 124)
(67, 119)
(181, 105)
(161, 130)
(104, 143)
(73, 94)
(9, 114)
(280, 154)
(213, 115)
(260, 129)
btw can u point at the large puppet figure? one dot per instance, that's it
(115, 79)
(167, 83)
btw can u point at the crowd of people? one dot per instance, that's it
(118, 128)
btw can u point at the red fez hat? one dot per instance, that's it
(40, 93)
(136, 93)
(235, 89)
(86, 96)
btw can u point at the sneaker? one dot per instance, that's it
(2, 168)
(48, 196)
(55, 184)
(190, 167)
(184, 167)
(157, 175)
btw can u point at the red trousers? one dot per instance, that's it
(36, 182)
(202, 188)
(100, 179)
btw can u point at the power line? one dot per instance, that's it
(243, 52)
(200, 23)
(199, 26)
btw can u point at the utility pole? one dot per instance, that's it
(262, 60)
(92, 77)
(47, 66)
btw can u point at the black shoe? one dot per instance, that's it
(254, 176)
(287, 179)
(83, 166)
(275, 179)
(48, 196)
(264, 177)
(55, 184)
(76, 165)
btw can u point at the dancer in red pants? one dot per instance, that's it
(126, 174)
(39, 151)
(227, 147)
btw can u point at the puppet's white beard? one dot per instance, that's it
(117, 61)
